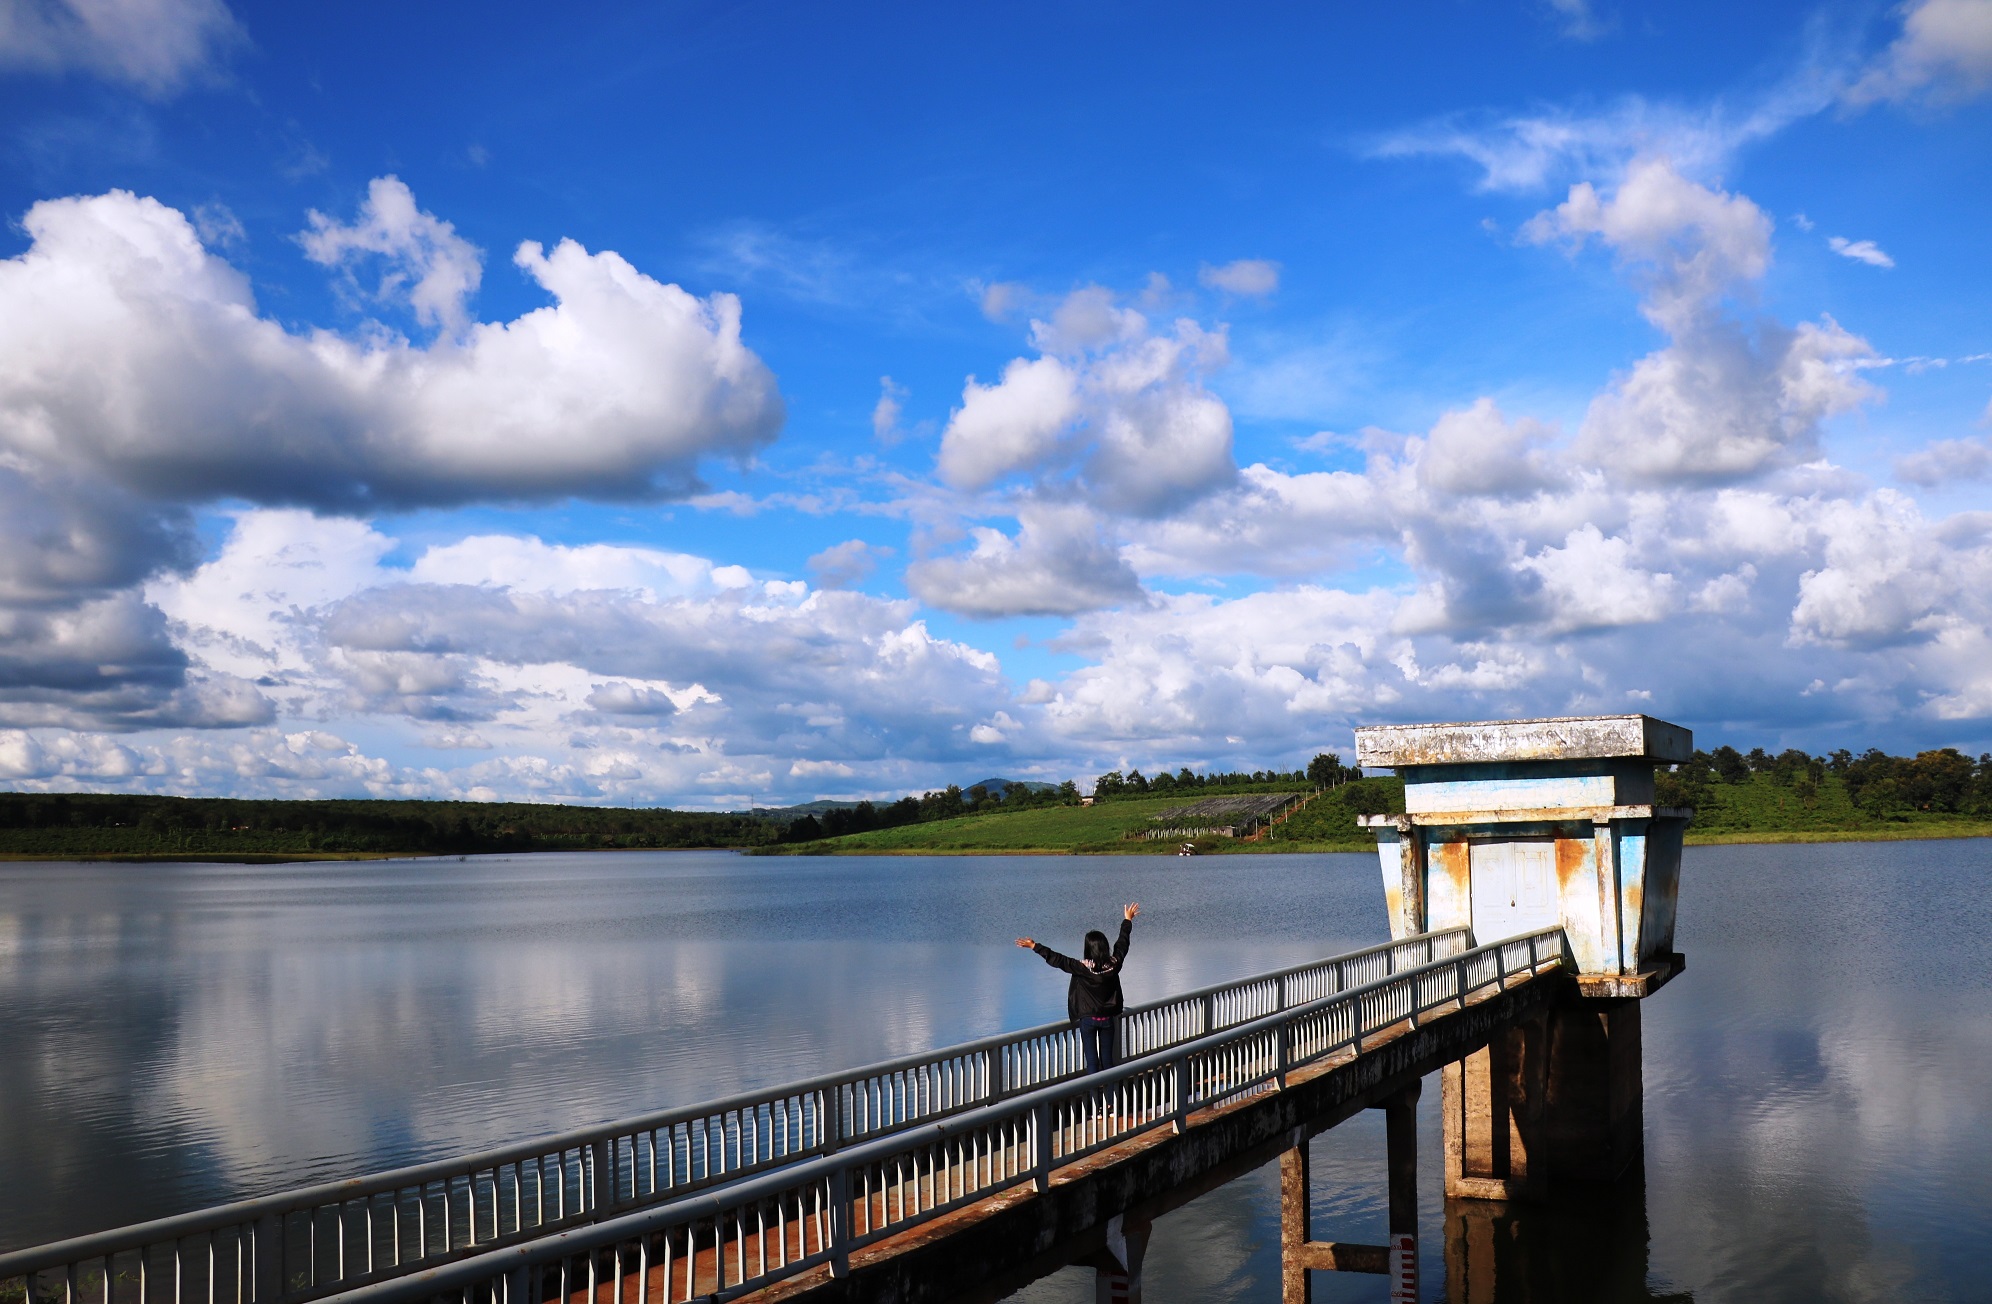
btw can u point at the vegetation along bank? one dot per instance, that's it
(1738, 797)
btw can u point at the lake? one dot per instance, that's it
(1818, 1083)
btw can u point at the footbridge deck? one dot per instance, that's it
(964, 1171)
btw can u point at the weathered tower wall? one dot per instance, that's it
(1514, 825)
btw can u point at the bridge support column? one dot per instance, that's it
(1553, 1099)
(1492, 1106)
(1398, 1258)
(1594, 1108)
(1400, 1129)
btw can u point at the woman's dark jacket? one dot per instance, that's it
(1094, 991)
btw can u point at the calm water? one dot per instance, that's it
(1818, 1084)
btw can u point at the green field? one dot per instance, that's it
(1762, 809)
(1326, 823)
(1759, 809)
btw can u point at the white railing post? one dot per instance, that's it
(840, 1223)
(1042, 1124)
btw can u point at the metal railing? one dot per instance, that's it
(747, 1235)
(304, 1244)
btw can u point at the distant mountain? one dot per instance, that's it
(783, 814)
(1004, 785)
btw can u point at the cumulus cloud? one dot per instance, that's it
(1946, 460)
(633, 699)
(1477, 450)
(138, 380)
(1247, 277)
(1111, 407)
(1059, 563)
(845, 565)
(1726, 398)
(427, 262)
(158, 46)
(108, 663)
(1690, 244)
(1944, 53)
(1687, 544)
(128, 352)
(1862, 251)
(578, 672)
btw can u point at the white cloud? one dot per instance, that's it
(159, 46)
(1864, 251)
(1722, 400)
(1579, 22)
(1591, 582)
(130, 353)
(1946, 460)
(219, 227)
(1944, 53)
(1110, 404)
(1690, 244)
(815, 769)
(583, 673)
(885, 413)
(845, 565)
(1004, 300)
(1525, 152)
(1059, 564)
(1886, 579)
(1011, 425)
(1247, 277)
(1479, 451)
(429, 264)
(528, 564)
(621, 698)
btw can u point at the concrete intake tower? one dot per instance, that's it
(1513, 825)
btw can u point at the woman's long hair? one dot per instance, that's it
(1098, 953)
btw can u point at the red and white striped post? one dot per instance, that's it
(1400, 1131)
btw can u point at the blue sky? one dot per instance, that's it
(702, 405)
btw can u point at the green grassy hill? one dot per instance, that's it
(1763, 809)
(1760, 808)
(1327, 823)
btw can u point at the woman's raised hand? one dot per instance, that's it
(1133, 909)
(1026, 943)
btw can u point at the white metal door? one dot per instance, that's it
(1513, 887)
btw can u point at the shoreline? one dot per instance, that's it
(1768, 837)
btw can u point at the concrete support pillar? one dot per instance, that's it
(1593, 1110)
(1554, 1100)
(1397, 1259)
(1295, 1229)
(1117, 1269)
(1400, 1130)
(1492, 1108)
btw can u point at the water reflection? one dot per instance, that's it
(1584, 1247)
(183, 1035)
(1817, 1082)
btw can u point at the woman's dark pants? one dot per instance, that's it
(1096, 1038)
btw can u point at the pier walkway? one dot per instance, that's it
(967, 1170)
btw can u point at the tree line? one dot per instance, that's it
(118, 823)
(939, 804)
(1943, 780)
(1324, 771)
